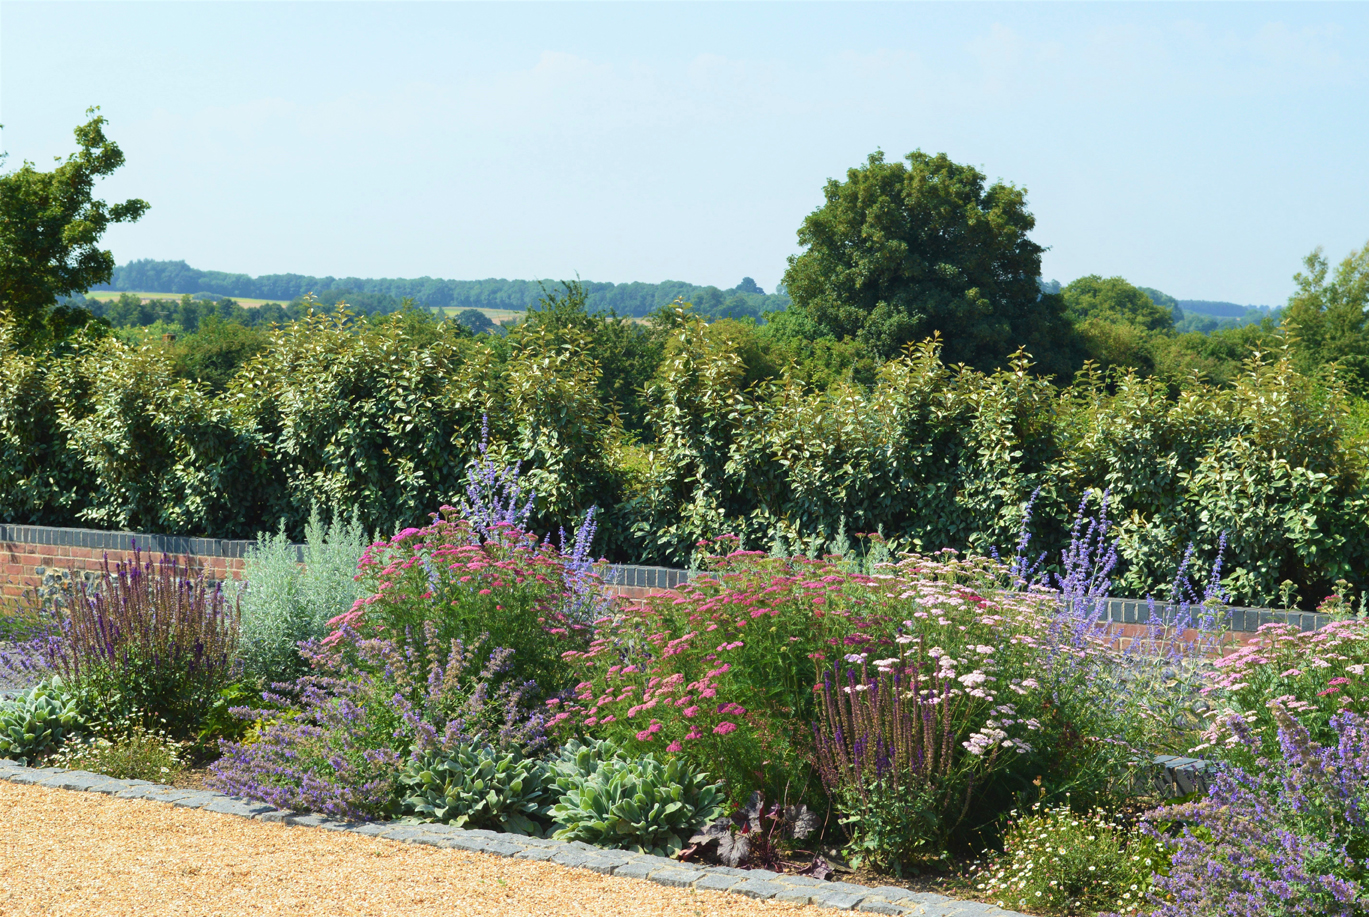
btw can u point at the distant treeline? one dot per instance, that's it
(746, 299)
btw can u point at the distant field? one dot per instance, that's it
(494, 315)
(109, 295)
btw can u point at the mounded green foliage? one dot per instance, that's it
(639, 804)
(38, 721)
(476, 786)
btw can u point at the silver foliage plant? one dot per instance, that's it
(285, 601)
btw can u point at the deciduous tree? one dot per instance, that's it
(50, 229)
(899, 252)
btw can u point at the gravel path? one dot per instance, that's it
(73, 853)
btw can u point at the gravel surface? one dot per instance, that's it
(72, 853)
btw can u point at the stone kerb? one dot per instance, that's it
(756, 883)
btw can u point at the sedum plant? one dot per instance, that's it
(475, 786)
(642, 805)
(37, 721)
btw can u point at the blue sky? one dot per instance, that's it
(1201, 149)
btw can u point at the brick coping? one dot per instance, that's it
(754, 883)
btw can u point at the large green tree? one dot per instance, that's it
(1327, 316)
(1112, 299)
(904, 250)
(50, 229)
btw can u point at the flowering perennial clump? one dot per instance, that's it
(340, 736)
(453, 581)
(1057, 861)
(1312, 674)
(923, 687)
(1288, 836)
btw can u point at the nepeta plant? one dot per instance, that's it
(1288, 836)
(152, 637)
(344, 733)
(26, 630)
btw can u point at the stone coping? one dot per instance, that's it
(1114, 610)
(754, 883)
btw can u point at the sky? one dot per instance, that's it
(1201, 149)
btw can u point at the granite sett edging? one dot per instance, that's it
(754, 883)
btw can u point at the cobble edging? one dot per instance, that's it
(754, 883)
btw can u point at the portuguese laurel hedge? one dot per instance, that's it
(383, 418)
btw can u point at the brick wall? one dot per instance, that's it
(44, 558)
(47, 559)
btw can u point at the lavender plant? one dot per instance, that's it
(1288, 837)
(154, 638)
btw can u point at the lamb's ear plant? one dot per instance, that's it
(642, 804)
(475, 786)
(38, 721)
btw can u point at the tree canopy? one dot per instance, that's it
(50, 229)
(1114, 300)
(899, 252)
(1327, 315)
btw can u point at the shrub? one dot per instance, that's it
(640, 804)
(1056, 861)
(286, 602)
(38, 721)
(342, 734)
(1287, 836)
(125, 751)
(151, 637)
(475, 786)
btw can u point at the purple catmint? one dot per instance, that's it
(348, 728)
(1288, 836)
